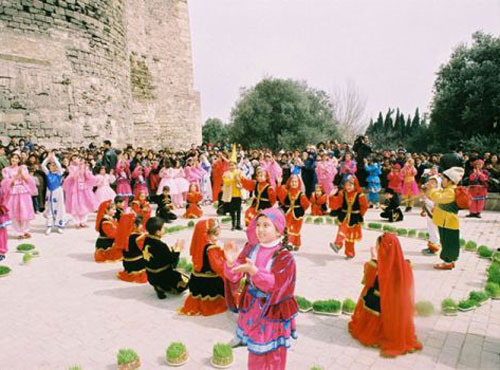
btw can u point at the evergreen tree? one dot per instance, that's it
(415, 123)
(388, 126)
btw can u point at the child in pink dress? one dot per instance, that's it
(410, 187)
(18, 187)
(140, 176)
(181, 184)
(267, 306)
(104, 191)
(4, 222)
(80, 200)
(123, 179)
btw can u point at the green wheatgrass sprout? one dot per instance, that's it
(75, 367)
(493, 290)
(215, 204)
(318, 220)
(478, 296)
(176, 352)
(348, 305)
(329, 220)
(303, 303)
(126, 356)
(329, 305)
(496, 257)
(226, 220)
(27, 258)
(4, 270)
(309, 220)
(222, 354)
(484, 251)
(190, 224)
(421, 235)
(494, 273)
(462, 242)
(374, 226)
(412, 233)
(25, 247)
(316, 367)
(470, 245)
(402, 232)
(466, 304)
(424, 308)
(449, 305)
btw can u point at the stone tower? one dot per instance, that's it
(77, 71)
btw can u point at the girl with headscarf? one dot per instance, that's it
(206, 287)
(478, 188)
(267, 306)
(141, 207)
(351, 205)
(294, 203)
(194, 197)
(318, 201)
(384, 314)
(106, 226)
(410, 187)
(264, 196)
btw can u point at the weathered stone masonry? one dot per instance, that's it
(76, 71)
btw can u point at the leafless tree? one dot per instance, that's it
(349, 109)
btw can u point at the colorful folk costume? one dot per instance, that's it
(395, 179)
(478, 188)
(445, 217)
(433, 245)
(318, 201)
(267, 306)
(373, 180)
(140, 175)
(141, 206)
(165, 207)
(123, 177)
(264, 196)
(18, 187)
(295, 204)
(206, 286)
(409, 189)
(130, 240)
(107, 227)
(194, 197)
(80, 200)
(351, 205)
(4, 222)
(55, 210)
(161, 264)
(390, 209)
(104, 191)
(384, 314)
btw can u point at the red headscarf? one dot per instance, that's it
(396, 298)
(199, 241)
(125, 228)
(100, 213)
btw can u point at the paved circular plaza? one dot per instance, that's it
(64, 309)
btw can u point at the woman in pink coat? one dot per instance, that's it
(18, 187)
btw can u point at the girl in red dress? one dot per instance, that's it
(318, 201)
(264, 196)
(384, 314)
(194, 197)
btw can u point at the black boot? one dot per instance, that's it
(160, 293)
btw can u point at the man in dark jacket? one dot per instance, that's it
(450, 159)
(110, 158)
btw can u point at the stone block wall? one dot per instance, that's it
(76, 71)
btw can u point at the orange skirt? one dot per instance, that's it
(193, 211)
(294, 227)
(366, 325)
(196, 306)
(109, 255)
(139, 277)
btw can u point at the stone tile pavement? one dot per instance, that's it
(64, 309)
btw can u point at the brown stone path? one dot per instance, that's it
(64, 309)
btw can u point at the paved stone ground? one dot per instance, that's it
(64, 309)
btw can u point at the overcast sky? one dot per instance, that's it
(390, 49)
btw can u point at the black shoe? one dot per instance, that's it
(478, 215)
(238, 227)
(160, 294)
(407, 209)
(470, 215)
(232, 228)
(2, 257)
